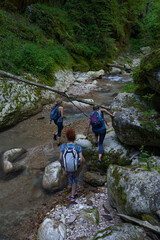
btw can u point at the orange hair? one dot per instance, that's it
(70, 134)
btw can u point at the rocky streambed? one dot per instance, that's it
(23, 201)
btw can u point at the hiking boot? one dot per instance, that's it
(76, 193)
(59, 144)
(55, 137)
(99, 162)
(73, 198)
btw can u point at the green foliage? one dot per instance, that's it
(129, 87)
(144, 155)
(146, 29)
(82, 35)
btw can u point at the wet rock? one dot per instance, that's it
(51, 229)
(94, 178)
(131, 125)
(91, 215)
(134, 191)
(9, 157)
(54, 177)
(122, 232)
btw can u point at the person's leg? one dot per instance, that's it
(96, 140)
(55, 134)
(60, 127)
(101, 139)
(74, 185)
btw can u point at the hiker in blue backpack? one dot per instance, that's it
(98, 127)
(57, 115)
(72, 160)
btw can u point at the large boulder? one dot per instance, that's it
(8, 158)
(135, 122)
(134, 191)
(51, 229)
(19, 100)
(122, 232)
(149, 72)
(54, 177)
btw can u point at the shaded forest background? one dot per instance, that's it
(40, 37)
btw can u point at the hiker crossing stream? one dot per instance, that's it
(22, 196)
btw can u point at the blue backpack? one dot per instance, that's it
(96, 120)
(54, 115)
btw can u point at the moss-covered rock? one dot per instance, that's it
(134, 191)
(122, 232)
(136, 122)
(114, 153)
(149, 71)
(91, 215)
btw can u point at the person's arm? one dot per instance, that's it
(104, 110)
(88, 126)
(81, 163)
(60, 158)
(60, 109)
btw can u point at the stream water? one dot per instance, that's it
(21, 195)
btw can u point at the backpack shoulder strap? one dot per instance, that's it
(65, 146)
(75, 147)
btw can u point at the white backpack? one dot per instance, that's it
(70, 159)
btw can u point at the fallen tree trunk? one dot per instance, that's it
(16, 78)
(145, 224)
(115, 65)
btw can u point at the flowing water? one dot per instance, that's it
(21, 195)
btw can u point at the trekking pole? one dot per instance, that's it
(75, 104)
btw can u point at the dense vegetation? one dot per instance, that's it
(41, 37)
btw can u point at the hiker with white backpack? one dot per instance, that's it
(72, 160)
(98, 127)
(57, 116)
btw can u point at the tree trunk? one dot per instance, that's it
(19, 79)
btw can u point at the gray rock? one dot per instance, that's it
(94, 178)
(91, 215)
(54, 177)
(145, 50)
(122, 232)
(134, 191)
(131, 125)
(9, 157)
(51, 229)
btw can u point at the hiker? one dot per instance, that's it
(57, 115)
(72, 160)
(98, 127)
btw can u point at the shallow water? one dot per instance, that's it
(22, 194)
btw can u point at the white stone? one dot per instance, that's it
(54, 176)
(51, 229)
